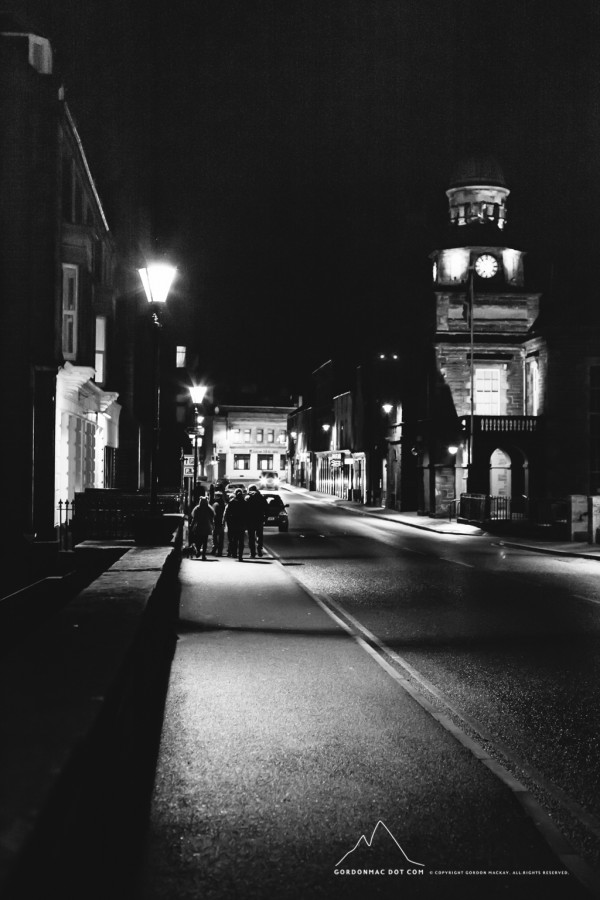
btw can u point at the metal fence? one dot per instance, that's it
(486, 508)
(97, 515)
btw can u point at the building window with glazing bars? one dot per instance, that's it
(270, 436)
(241, 461)
(100, 350)
(487, 392)
(70, 289)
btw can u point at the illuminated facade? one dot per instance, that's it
(241, 442)
(58, 299)
(483, 426)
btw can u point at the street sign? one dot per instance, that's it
(188, 471)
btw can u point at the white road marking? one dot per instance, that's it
(536, 812)
(457, 562)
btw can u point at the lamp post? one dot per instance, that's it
(197, 393)
(157, 279)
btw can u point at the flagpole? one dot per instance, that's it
(470, 307)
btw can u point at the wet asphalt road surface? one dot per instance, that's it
(285, 740)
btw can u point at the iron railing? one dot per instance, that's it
(501, 424)
(483, 508)
(100, 515)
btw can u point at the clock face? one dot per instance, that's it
(486, 265)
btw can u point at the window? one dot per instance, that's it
(535, 388)
(283, 461)
(180, 359)
(270, 436)
(100, 357)
(260, 435)
(40, 54)
(236, 436)
(241, 461)
(265, 462)
(487, 392)
(247, 435)
(69, 311)
(110, 467)
(282, 437)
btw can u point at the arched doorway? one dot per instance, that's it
(500, 474)
(509, 478)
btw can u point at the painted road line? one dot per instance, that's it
(457, 562)
(536, 812)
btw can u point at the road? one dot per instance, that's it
(505, 640)
(291, 723)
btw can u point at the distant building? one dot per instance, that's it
(240, 442)
(346, 441)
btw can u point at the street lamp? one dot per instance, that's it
(157, 279)
(197, 393)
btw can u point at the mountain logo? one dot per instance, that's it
(384, 834)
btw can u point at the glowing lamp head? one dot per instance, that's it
(197, 393)
(157, 279)
(326, 427)
(387, 408)
(453, 449)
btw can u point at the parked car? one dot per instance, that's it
(233, 486)
(269, 480)
(276, 511)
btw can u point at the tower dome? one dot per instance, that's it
(478, 170)
(477, 193)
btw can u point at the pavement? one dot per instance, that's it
(451, 526)
(295, 764)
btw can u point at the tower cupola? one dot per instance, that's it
(477, 193)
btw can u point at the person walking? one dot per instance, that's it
(235, 518)
(256, 511)
(219, 526)
(201, 526)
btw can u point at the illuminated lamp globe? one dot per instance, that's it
(157, 279)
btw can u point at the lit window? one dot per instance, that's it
(282, 437)
(181, 357)
(247, 435)
(40, 54)
(241, 461)
(100, 357)
(535, 388)
(260, 435)
(487, 392)
(270, 436)
(265, 463)
(69, 311)
(236, 435)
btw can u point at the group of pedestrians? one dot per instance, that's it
(237, 516)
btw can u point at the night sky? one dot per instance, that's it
(291, 156)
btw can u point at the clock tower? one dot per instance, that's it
(486, 392)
